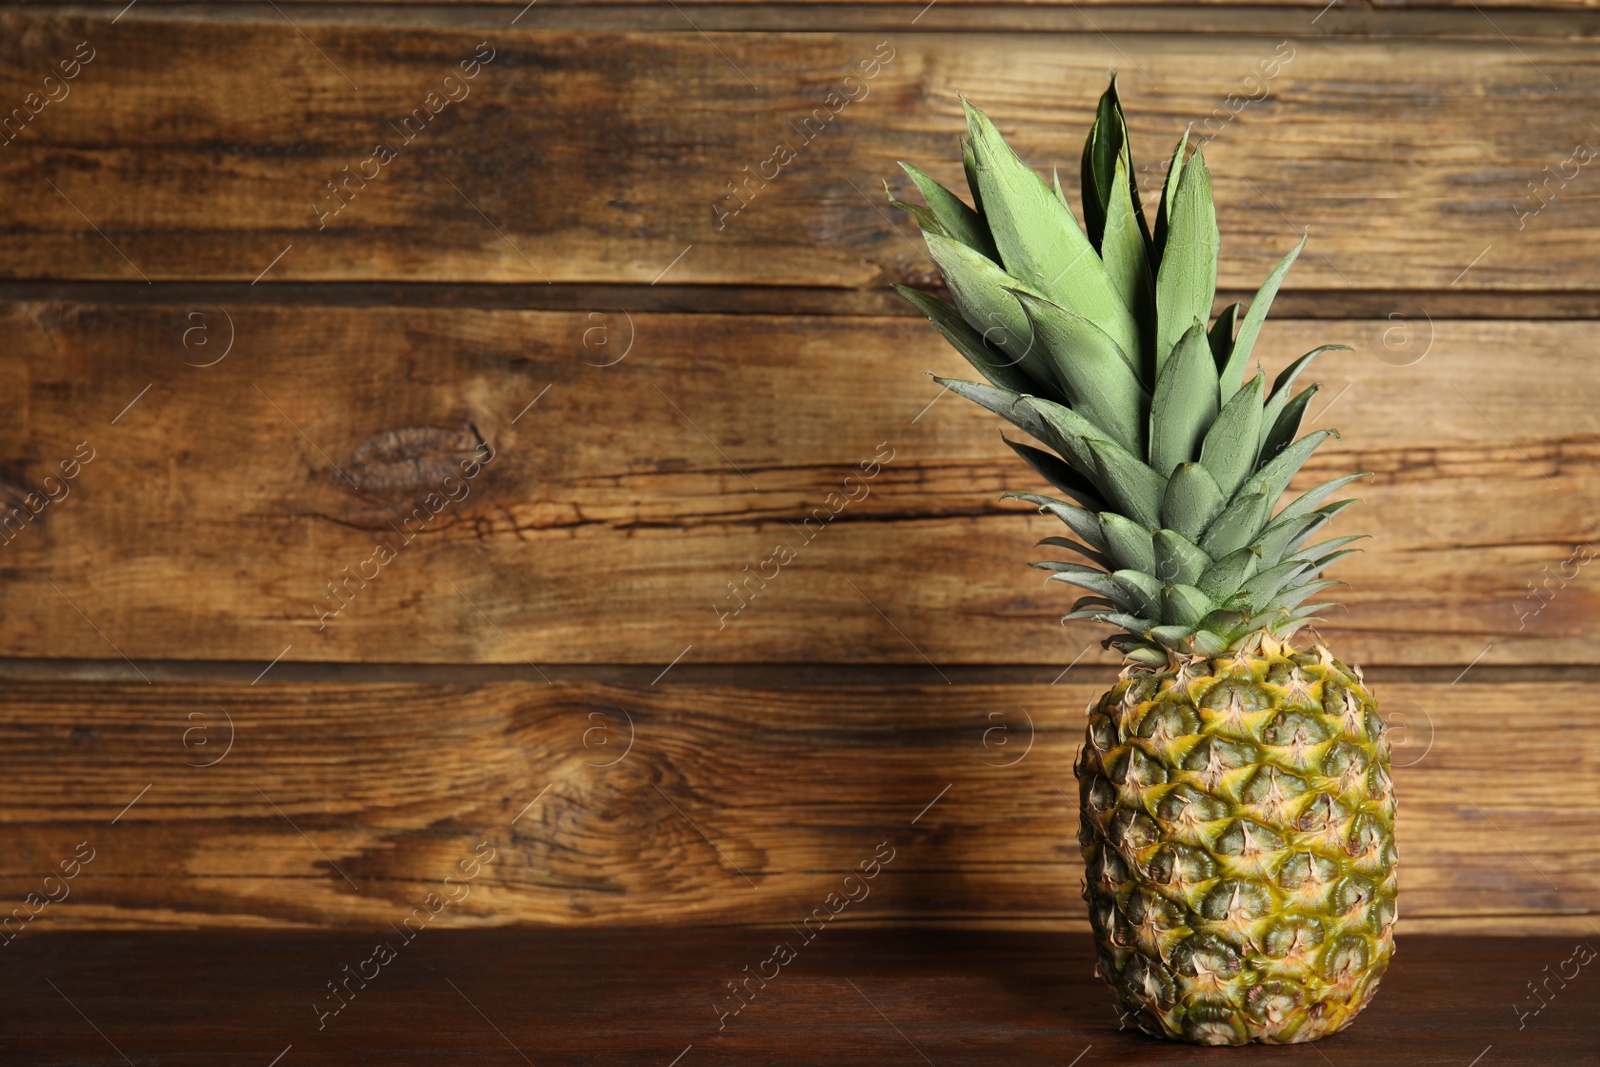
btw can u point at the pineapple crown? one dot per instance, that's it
(1094, 341)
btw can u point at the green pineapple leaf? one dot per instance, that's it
(1186, 281)
(1142, 588)
(1286, 532)
(1191, 501)
(1185, 402)
(1000, 369)
(1007, 403)
(1095, 581)
(1066, 430)
(1169, 193)
(1238, 524)
(1178, 559)
(1130, 622)
(969, 164)
(1308, 500)
(1174, 637)
(926, 219)
(1321, 564)
(1296, 594)
(1264, 585)
(1129, 543)
(1101, 152)
(1283, 387)
(1086, 524)
(1058, 474)
(955, 218)
(983, 295)
(1215, 632)
(1132, 486)
(1107, 147)
(1221, 335)
(1313, 523)
(1074, 546)
(1092, 369)
(1233, 373)
(1273, 479)
(1184, 605)
(1231, 444)
(1135, 650)
(1125, 250)
(1283, 384)
(1040, 242)
(1224, 577)
(1319, 552)
(1287, 424)
(1313, 569)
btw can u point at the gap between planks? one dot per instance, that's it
(741, 675)
(755, 300)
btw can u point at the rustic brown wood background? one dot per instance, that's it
(267, 388)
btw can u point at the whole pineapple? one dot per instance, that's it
(1237, 811)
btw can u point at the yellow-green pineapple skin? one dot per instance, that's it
(1237, 824)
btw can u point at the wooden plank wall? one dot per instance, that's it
(233, 382)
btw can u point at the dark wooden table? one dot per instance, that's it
(651, 996)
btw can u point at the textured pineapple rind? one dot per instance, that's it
(1237, 823)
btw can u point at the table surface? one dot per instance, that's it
(652, 996)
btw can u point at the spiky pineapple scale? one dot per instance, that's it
(1237, 823)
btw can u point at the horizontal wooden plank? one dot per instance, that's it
(1453, 20)
(290, 804)
(638, 997)
(222, 502)
(1293, 5)
(644, 9)
(1409, 175)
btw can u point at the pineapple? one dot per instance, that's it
(1237, 814)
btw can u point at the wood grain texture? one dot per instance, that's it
(639, 997)
(606, 805)
(200, 150)
(224, 500)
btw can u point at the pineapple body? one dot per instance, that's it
(1237, 824)
(1238, 816)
